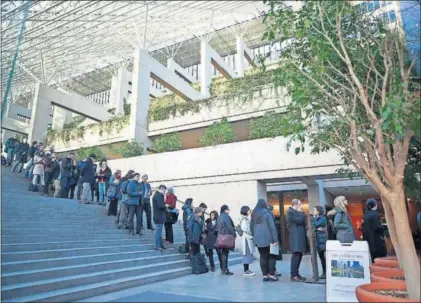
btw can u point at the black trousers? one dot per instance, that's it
(48, 178)
(195, 248)
(224, 258)
(169, 235)
(65, 187)
(112, 208)
(267, 261)
(323, 260)
(209, 253)
(187, 244)
(295, 263)
(72, 191)
(135, 209)
(146, 207)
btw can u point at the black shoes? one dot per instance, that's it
(323, 276)
(298, 279)
(212, 268)
(227, 273)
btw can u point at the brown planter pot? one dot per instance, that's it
(386, 262)
(366, 292)
(374, 268)
(387, 276)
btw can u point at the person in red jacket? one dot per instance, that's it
(170, 202)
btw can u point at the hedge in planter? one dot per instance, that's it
(218, 133)
(362, 88)
(167, 143)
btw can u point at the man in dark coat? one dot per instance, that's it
(373, 231)
(159, 215)
(21, 155)
(10, 148)
(88, 177)
(66, 172)
(297, 237)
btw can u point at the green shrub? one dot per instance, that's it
(218, 133)
(270, 125)
(167, 143)
(84, 152)
(129, 149)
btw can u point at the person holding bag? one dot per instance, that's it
(226, 238)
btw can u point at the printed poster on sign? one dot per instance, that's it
(347, 267)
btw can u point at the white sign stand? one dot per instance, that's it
(347, 267)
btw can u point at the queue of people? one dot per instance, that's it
(129, 196)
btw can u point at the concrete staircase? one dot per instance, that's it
(57, 250)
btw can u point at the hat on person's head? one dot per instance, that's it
(371, 203)
(92, 156)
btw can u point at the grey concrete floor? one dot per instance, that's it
(214, 287)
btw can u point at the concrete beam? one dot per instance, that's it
(209, 57)
(181, 72)
(309, 181)
(60, 118)
(15, 126)
(46, 96)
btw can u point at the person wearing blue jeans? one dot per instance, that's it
(159, 216)
(103, 176)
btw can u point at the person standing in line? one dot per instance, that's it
(279, 257)
(264, 233)
(74, 179)
(134, 193)
(159, 215)
(194, 231)
(225, 227)
(66, 172)
(21, 155)
(88, 177)
(320, 225)
(10, 148)
(48, 173)
(187, 212)
(31, 154)
(55, 176)
(342, 222)
(170, 202)
(103, 177)
(123, 212)
(211, 230)
(297, 238)
(112, 193)
(146, 202)
(247, 241)
(38, 172)
(373, 231)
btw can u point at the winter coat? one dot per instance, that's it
(194, 229)
(66, 169)
(343, 227)
(297, 231)
(247, 237)
(133, 189)
(159, 208)
(145, 188)
(56, 170)
(321, 235)
(211, 233)
(171, 201)
(373, 233)
(264, 229)
(104, 175)
(39, 165)
(31, 152)
(88, 171)
(10, 144)
(123, 184)
(22, 152)
(48, 164)
(225, 225)
(114, 186)
(187, 212)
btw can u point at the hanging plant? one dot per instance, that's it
(218, 133)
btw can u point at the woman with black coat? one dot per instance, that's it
(373, 231)
(211, 231)
(319, 223)
(225, 227)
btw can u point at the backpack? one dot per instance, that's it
(198, 264)
(124, 187)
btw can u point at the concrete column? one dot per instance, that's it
(39, 117)
(123, 79)
(240, 64)
(60, 118)
(313, 196)
(140, 98)
(205, 70)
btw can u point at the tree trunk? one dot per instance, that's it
(408, 255)
(390, 219)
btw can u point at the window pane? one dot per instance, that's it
(392, 16)
(376, 4)
(364, 7)
(370, 6)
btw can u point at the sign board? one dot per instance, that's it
(347, 267)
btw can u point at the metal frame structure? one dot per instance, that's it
(79, 45)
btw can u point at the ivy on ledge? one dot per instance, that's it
(236, 90)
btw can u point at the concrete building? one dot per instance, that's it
(179, 56)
